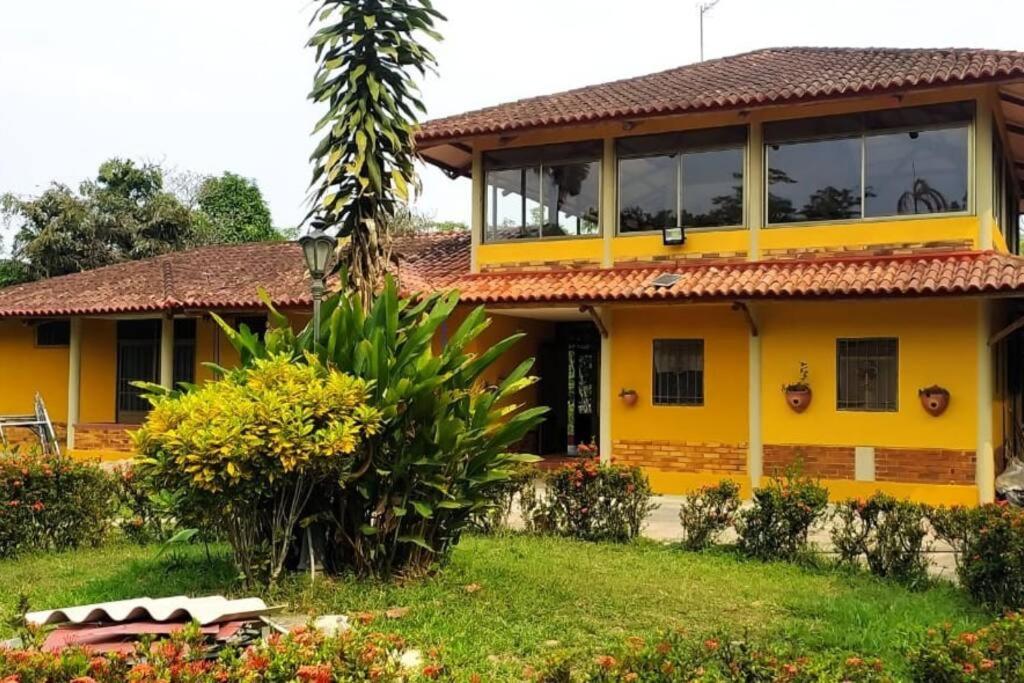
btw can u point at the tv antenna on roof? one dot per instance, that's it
(704, 8)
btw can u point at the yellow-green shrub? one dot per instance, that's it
(256, 443)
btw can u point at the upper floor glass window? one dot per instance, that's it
(869, 165)
(691, 179)
(538, 192)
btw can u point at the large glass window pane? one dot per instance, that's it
(648, 191)
(512, 204)
(571, 195)
(816, 180)
(713, 188)
(914, 172)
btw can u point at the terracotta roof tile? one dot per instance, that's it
(763, 77)
(930, 274)
(219, 277)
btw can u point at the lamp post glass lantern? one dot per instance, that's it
(317, 249)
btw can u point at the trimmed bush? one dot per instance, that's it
(676, 658)
(590, 501)
(777, 526)
(50, 503)
(707, 512)
(887, 533)
(989, 546)
(992, 654)
(303, 656)
(495, 518)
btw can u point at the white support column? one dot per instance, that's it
(984, 474)
(74, 380)
(605, 400)
(477, 218)
(167, 352)
(609, 214)
(755, 443)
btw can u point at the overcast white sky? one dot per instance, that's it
(213, 85)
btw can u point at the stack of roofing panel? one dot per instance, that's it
(117, 626)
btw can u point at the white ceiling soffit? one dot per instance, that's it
(455, 158)
(209, 610)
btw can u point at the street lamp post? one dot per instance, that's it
(317, 249)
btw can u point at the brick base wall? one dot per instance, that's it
(675, 456)
(924, 465)
(907, 465)
(104, 437)
(532, 266)
(825, 462)
(23, 437)
(890, 249)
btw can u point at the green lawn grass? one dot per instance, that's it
(541, 595)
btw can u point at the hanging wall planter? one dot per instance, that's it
(628, 397)
(798, 394)
(934, 399)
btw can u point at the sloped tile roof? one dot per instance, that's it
(219, 277)
(950, 273)
(760, 78)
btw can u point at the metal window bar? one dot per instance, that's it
(678, 372)
(867, 374)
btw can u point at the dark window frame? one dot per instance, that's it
(693, 396)
(864, 125)
(60, 331)
(676, 145)
(886, 391)
(540, 157)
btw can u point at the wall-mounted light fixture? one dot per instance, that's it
(673, 237)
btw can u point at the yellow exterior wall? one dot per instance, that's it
(544, 250)
(936, 346)
(723, 417)
(860, 233)
(26, 368)
(645, 246)
(99, 371)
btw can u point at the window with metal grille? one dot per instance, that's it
(678, 372)
(53, 333)
(867, 374)
(184, 351)
(257, 324)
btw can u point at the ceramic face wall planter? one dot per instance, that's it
(798, 397)
(628, 397)
(934, 400)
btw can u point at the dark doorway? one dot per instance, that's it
(138, 360)
(569, 366)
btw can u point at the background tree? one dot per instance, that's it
(233, 210)
(363, 165)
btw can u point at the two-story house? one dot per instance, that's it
(677, 248)
(680, 246)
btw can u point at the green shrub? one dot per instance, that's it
(777, 525)
(590, 501)
(439, 455)
(495, 518)
(989, 546)
(722, 659)
(707, 512)
(51, 503)
(252, 448)
(994, 653)
(887, 533)
(304, 656)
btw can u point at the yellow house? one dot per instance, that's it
(678, 248)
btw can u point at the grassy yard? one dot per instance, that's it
(539, 595)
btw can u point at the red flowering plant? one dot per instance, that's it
(991, 654)
(589, 501)
(988, 543)
(885, 532)
(707, 512)
(303, 655)
(778, 524)
(675, 657)
(51, 503)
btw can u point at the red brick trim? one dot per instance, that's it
(677, 456)
(104, 437)
(826, 462)
(931, 465)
